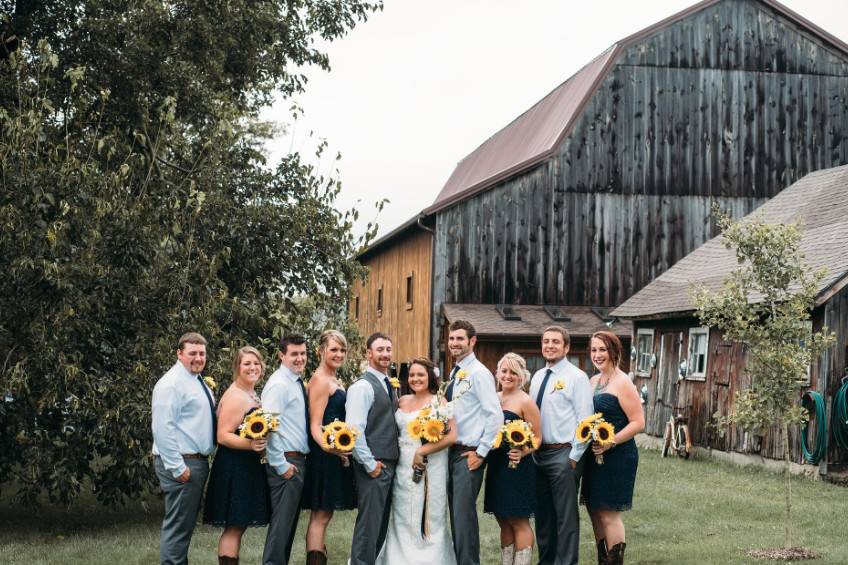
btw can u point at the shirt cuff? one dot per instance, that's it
(282, 468)
(178, 472)
(483, 450)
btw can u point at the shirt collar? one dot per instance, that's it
(466, 361)
(376, 373)
(291, 375)
(182, 368)
(560, 365)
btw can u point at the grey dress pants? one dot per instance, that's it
(462, 502)
(373, 509)
(557, 520)
(182, 504)
(285, 511)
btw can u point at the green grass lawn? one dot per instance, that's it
(684, 512)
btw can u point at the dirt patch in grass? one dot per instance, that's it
(784, 554)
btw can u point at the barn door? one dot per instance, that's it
(670, 348)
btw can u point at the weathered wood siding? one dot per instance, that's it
(728, 106)
(726, 376)
(409, 326)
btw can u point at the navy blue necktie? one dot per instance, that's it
(542, 389)
(211, 409)
(305, 404)
(449, 392)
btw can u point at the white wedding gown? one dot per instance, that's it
(405, 544)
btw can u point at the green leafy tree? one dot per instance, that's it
(136, 204)
(765, 304)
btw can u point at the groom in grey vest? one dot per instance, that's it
(370, 407)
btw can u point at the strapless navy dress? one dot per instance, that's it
(329, 485)
(609, 486)
(510, 493)
(237, 491)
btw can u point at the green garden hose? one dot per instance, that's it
(821, 432)
(839, 417)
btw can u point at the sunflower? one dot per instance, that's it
(604, 432)
(414, 428)
(517, 433)
(255, 427)
(328, 434)
(426, 411)
(535, 441)
(336, 425)
(433, 430)
(345, 439)
(584, 431)
(593, 418)
(497, 441)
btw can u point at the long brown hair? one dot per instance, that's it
(612, 343)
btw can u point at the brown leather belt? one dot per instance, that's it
(546, 446)
(293, 454)
(460, 447)
(194, 456)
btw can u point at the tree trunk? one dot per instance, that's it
(787, 489)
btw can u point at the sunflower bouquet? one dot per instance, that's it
(258, 424)
(595, 428)
(339, 435)
(430, 425)
(516, 434)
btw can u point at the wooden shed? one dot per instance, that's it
(666, 331)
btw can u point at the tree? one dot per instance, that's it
(136, 204)
(765, 305)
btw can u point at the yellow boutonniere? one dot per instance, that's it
(210, 382)
(461, 374)
(394, 382)
(559, 385)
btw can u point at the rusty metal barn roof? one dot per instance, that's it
(535, 135)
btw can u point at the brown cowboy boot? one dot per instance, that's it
(616, 554)
(226, 560)
(603, 555)
(316, 557)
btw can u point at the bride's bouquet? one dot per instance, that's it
(595, 428)
(516, 434)
(430, 425)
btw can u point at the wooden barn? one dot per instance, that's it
(608, 180)
(666, 331)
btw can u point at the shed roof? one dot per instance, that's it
(584, 321)
(535, 135)
(819, 201)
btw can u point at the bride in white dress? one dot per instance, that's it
(418, 529)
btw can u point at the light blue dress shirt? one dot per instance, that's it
(182, 420)
(360, 398)
(477, 411)
(282, 395)
(563, 409)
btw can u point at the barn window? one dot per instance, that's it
(380, 301)
(356, 307)
(644, 352)
(698, 348)
(409, 289)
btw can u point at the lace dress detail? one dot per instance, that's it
(405, 544)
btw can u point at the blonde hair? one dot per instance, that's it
(327, 335)
(247, 350)
(516, 363)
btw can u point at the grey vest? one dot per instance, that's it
(380, 429)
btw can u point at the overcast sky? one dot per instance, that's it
(424, 82)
